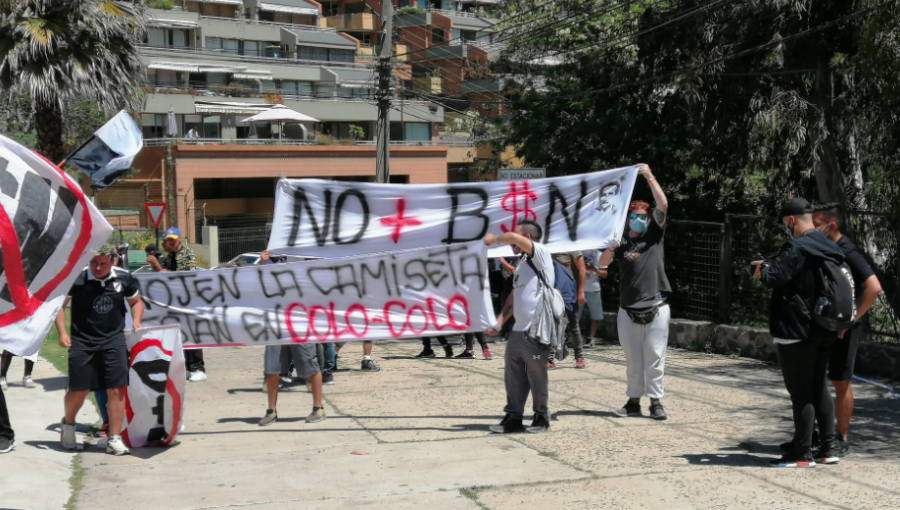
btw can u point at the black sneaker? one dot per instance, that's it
(657, 410)
(509, 425)
(789, 446)
(465, 355)
(842, 447)
(826, 455)
(369, 365)
(327, 378)
(539, 424)
(448, 351)
(631, 408)
(426, 353)
(7, 445)
(794, 460)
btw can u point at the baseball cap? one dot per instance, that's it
(795, 207)
(172, 233)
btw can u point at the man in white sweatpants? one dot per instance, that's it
(643, 319)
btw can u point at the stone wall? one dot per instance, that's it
(873, 359)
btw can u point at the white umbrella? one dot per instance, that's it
(280, 114)
(171, 125)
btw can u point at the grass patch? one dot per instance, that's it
(52, 352)
(469, 493)
(75, 481)
(546, 453)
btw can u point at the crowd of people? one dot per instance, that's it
(809, 349)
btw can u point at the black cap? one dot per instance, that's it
(151, 247)
(795, 207)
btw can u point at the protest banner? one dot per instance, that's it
(428, 291)
(332, 218)
(154, 398)
(48, 233)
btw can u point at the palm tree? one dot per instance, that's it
(54, 50)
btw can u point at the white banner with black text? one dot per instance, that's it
(323, 218)
(428, 291)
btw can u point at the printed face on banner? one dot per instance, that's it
(154, 399)
(429, 291)
(335, 219)
(48, 232)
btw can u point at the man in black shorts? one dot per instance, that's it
(827, 218)
(98, 358)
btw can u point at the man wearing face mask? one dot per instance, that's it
(643, 320)
(827, 218)
(803, 346)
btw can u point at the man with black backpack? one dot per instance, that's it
(812, 301)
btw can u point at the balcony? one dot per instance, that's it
(363, 21)
(260, 56)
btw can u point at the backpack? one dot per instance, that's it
(834, 304)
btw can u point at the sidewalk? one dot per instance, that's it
(415, 436)
(36, 474)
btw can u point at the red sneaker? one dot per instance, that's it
(551, 365)
(579, 363)
(487, 354)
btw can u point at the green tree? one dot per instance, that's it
(56, 50)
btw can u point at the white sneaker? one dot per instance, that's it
(3, 385)
(286, 379)
(115, 446)
(27, 382)
(67, 435)
(197, 376)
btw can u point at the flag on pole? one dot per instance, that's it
(108, 154)
(49, 231)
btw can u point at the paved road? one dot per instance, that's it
(415, 436)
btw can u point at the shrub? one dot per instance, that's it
(167, 5)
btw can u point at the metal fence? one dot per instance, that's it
(239, 234)
(704, 261)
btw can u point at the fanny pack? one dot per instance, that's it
(643, 316)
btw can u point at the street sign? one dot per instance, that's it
(155, 210)
(520, 174)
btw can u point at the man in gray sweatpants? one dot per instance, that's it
(526, 359)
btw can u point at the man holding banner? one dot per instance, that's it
(526, 358)
(98, 358)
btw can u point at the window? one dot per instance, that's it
(437, 35)
(178, 38)
(212, 126)
(341, 55)
(354, 8)
(197, 80)
(162, 77)
(306, 88)
(312, 53)
(153, 125)
(156, 37)
(251, 48)
(216, 79)
(349, 92)
(230, 46)
(417, 131)
(194, 122)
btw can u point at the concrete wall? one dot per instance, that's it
(873, 359)
(209, 249)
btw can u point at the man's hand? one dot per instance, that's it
(491, 331)
(490, 239)
(264, 257)
(580, 300)
(136, 325)
(645, 171)
(602, 273)
(64, 340)
(758, 264)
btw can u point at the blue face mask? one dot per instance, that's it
(639, 225)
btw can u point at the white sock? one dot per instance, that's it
(367, 357)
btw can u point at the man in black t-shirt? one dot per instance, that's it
(827, 218)
(643, 320)
(98, 358)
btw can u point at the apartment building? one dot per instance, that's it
(214, 63)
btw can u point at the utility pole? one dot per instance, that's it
(384, 94)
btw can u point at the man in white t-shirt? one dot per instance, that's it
(525, 358)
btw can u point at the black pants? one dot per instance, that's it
(573, 335)
(804, 366)
(426, 342)
(470, 341)
(193, 360)
(5, 427)
(7, 360)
